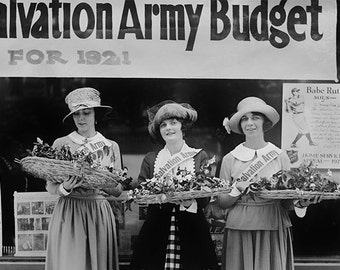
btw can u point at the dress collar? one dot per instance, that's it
(164, 156)
(244, 153)
(79, 139)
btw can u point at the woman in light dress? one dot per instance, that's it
(258, 231)
(82, 230)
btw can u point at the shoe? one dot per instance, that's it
(312, 144)
(293, 145)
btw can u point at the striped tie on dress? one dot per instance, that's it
(172, 258)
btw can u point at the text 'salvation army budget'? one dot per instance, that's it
(132, 20)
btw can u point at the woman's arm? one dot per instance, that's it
(117, 165)
(56, 188)
(226, 200)
(145, 171)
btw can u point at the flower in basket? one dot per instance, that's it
(82, 159)
(304, 178)
(182, 181)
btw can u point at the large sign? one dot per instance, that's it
(245, 39)
(311, 124)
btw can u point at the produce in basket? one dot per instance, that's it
(300, 182)
(56, 164)
(183, 185)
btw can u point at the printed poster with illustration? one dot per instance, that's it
(311, 124)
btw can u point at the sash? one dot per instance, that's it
(96, 144)
(176, 159)
(259, 163)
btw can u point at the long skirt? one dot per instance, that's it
(257, 250)
(82, 236)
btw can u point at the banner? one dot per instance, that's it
(235, 39)
(311, 124)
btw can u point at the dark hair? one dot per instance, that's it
(267, 124)
(186, 125)
(99, 114)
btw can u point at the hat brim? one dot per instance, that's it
(105, 109)
(267, 110)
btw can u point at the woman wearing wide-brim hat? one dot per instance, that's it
(82, 230)
(173, 236)
(257, 231)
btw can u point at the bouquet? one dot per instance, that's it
(55, 164)
(183, 185)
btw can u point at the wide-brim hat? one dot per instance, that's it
(84, 98)
(251, 104)
(166, 110)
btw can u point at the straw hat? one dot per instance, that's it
(169, 109)
(250, 104)
(84, 98)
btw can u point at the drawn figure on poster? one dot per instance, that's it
(296, 105)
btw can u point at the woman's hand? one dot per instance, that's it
(72, 182)
(300, 206)
(116, 191)
(242, 185)
(307, 202)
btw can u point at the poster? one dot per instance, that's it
(32, 212)
(311, 123)
(228, 39)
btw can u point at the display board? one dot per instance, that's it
(32, 212)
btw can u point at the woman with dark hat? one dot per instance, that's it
(173, 236)
(82, 231)
(257, 232)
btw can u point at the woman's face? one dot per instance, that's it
(252, 124)
(171, 130)
(84, 119)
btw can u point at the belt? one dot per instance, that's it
(256, 203)
(90, 197)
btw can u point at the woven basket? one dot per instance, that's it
(178, 196)
(59, 170)
(297, 194)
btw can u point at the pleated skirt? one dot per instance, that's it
(257, 250)
(82, 236)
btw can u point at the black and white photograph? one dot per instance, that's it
(169, 135)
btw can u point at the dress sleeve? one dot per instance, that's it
(58, 143)
(288, 204)
(225, 171)
(145, 169)
(201, 159)
(54, 188)
(117, 155)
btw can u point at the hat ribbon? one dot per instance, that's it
(88, 104)
(226, 124)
